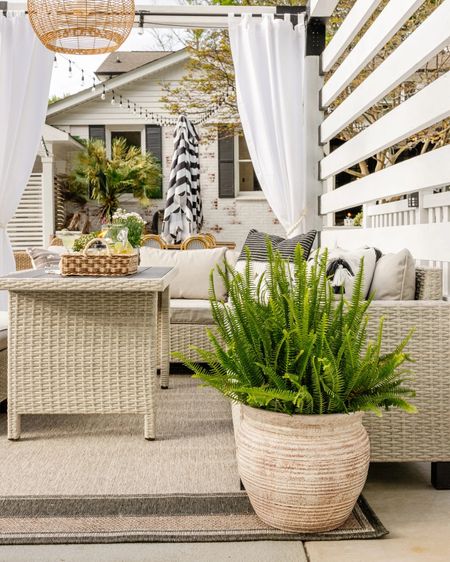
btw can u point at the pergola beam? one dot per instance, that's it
(176, 16)
(321, 8)
(197, 17)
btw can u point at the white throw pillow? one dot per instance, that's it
(395, 277)
(193, 268)
(347, 264)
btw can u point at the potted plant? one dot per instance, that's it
(105, 179)
(298, 363)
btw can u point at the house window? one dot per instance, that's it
(245, 177)
(133, 138)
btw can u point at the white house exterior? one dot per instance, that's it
(231, 204)
(34, 221)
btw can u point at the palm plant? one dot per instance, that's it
(106, 179)
(285, 344)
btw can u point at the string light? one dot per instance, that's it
(159, 119)
(55, 62)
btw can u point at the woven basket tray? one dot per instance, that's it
(111, 264)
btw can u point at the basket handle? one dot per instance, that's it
(89, 244)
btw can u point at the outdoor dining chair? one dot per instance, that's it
(154, 241)
(199, 242)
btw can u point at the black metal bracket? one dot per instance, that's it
(315, 28)
(315, 37)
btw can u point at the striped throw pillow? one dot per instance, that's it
(256, 243)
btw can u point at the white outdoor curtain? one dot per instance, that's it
(268, 57)
(25, 73)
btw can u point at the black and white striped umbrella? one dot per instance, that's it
(183, 214)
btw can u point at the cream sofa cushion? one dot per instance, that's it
(192, 270)
(395, 277)
(190, 311)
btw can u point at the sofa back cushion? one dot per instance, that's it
(395, 277)
(193, 268)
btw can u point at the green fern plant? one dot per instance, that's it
(285, 344)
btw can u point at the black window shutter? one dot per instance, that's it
(153, 141)
(97, 132)
(226, 166)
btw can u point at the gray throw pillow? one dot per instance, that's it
(256, 243)
(42, 258)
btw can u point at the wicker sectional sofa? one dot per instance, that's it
(396, 436)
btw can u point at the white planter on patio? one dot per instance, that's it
(301, 473)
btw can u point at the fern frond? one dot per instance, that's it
(286, 344)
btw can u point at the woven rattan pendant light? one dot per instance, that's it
(81, 27)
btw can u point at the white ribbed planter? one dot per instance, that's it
(301, 473)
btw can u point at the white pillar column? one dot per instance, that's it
(314, 150)
(48, 199)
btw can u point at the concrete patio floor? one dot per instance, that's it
(417, 516)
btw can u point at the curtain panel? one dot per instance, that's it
(269, 56)
(25, 73)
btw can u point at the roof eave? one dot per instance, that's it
(117, 82)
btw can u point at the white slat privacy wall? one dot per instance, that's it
(349, 28)
(384, 27)
(26, 227)
(391, 225)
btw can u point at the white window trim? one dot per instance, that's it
(126, 197)
(243, 195)
(125, 128)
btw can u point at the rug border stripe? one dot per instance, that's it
(362, 510)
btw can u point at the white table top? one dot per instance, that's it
(147, 279)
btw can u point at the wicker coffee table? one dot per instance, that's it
(86, 345)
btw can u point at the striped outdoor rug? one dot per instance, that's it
(94, 479)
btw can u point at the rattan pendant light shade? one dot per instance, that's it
(81, 27)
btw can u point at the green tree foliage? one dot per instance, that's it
(285, 344)
(210, 74)
(106, 179)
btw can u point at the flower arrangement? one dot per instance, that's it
(135, 224)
